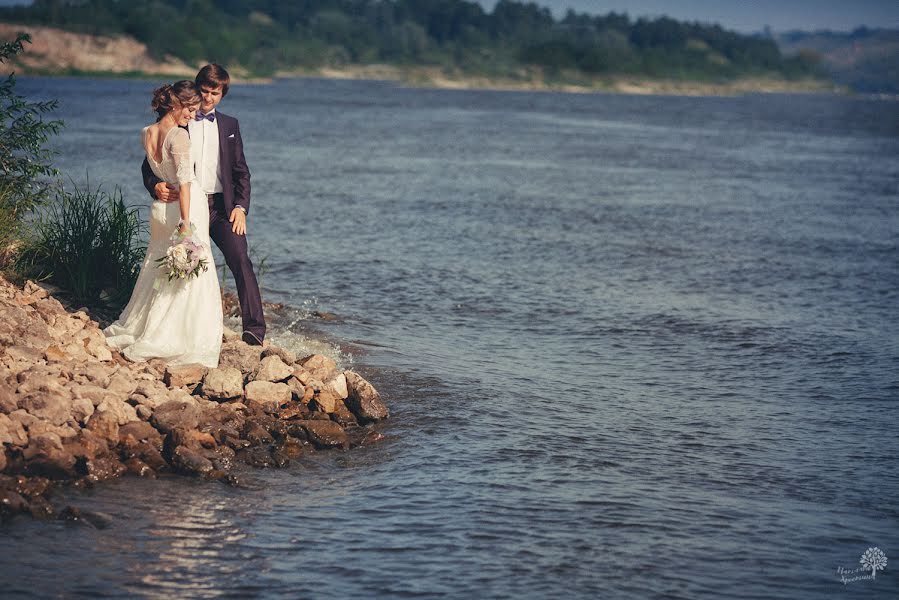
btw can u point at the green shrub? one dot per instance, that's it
(24, 160)
(88, 243)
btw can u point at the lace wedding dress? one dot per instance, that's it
(179, 321)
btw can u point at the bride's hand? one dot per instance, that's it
(184, 229)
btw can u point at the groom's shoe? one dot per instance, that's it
(251, 338)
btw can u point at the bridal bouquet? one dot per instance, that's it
(183, 259)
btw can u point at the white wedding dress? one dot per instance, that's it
(179, 321)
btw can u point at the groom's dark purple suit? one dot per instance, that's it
(235, 176)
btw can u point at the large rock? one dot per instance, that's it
(240, 355)
(18, 327)
(364, 400)
(265, 392)
(184, 375)
(12, 432)
(286, 356)
(8, 401)
(223, 383)
(324, 434)
(320, 366)
(338, 385)
(124, 413)
(273, 369)
(175, 415)
(49, 406)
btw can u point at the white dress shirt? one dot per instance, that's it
(204, 136)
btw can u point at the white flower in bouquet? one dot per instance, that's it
(184, 257)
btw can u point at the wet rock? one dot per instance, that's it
(267, 392)
(324, 434)
(259, 457)
(46, 456)
(292, 447)
(256, 434)
(364, 400)
(223, 383)
(136, 466)
(363, 436)
(184, 375)
(343, 416)
(175, 415)
(272, 369)
(325, 401)
(286, 356)
(293, 410)
(102, 469)
(191, 461)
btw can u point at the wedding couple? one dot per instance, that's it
(196, 172)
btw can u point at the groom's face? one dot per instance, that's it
(211, 97)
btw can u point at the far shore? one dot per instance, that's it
(58, 53)
(435, 78)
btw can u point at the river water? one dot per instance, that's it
(634, 347)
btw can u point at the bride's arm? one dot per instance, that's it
(184, 173)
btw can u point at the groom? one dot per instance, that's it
(223, 175)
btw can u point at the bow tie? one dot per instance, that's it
(209, 117)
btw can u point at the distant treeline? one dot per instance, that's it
(268, 35)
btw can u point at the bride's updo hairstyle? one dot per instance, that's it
(169, 97)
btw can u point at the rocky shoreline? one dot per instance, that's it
(75, 413)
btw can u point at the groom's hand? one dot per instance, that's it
(238, 221)
(166, 192)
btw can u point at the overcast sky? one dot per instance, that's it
(746, 15)
(742, 15)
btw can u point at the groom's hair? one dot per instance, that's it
(214, 76)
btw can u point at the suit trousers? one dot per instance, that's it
(234, 249)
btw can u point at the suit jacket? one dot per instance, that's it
(233, 168)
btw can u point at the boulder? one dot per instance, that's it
(8, 401)
(364, 400)
(324, 434)
(265, 392)
(122, 384)
(223, 383)
(82, 409)
(320, 366)
(272, 369)
(12, 432)
(104, 424)
(240, 355)
(175, 415)
(49, 406)
(338, 385)
(184, 375)
(123, 413)
(286, 356)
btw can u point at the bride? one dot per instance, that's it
(179, 321)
